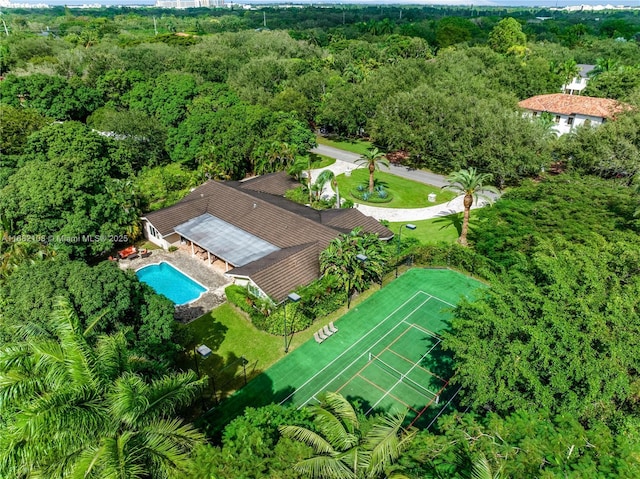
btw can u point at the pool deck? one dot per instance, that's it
(207, 276)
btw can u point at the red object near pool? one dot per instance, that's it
(125, 253)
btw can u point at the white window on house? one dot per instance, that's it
(535, 113)
(557, 119)
(153, 232)
(570, 121)
(254, 290)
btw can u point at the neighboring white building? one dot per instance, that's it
(570, 111)
(580, 82)
(181, 4)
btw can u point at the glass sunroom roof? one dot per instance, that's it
(224, 240)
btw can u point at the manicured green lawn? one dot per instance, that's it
(406, 193)
(320, 161)
(434, 230)
(230, 336)
(360, 147)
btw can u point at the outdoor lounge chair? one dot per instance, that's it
(327, 331)
(332, 328)
(317, 338)
(321, 335)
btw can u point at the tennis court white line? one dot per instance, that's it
(366, 352)
(441, 300)
(400, 380)
(443, 408)
(424, 330)
(349, 348)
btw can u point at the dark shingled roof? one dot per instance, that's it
(350, 218)
(283, 271)
(274, 184)
(300, 232)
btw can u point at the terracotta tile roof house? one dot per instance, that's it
(570, 111)
(265, 241)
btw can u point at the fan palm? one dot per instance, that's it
(472, 185)
(71, 409)
(342, 450)
(372, 159)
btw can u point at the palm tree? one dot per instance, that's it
(471, 184)
(342, 259)
(329, 176)
(342, 449)
(71, 409)
(568, 70)
(299, 165)
(373, 158)
(604, 65)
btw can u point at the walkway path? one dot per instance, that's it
(345, 162)
(402, 171)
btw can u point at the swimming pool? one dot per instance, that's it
(171, 282)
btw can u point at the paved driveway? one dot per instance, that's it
(345, 161)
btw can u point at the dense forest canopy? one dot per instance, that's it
(108, 113)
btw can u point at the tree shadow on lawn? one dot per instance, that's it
(453, 219)
(257, 393)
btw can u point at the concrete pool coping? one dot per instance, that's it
(193, 267)
(175, 268)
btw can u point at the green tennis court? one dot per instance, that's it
(386, 354)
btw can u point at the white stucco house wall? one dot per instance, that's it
(571, 111)
(579, 82)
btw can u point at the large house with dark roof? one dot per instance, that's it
(570, 111)
(266, 242)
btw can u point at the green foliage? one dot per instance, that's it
(61, 395)
(51, 96)
(554, 334)
(343, 446)
(340, 259)
(453, 30)
(118, 299)
(162, 186)
(507, 35)
(139, 138)
(457, 257)
(253, 448)
(513, 226)
(265, 315)
(15, 126)
(442, 133)
(524, 445)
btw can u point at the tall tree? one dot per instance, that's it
(472, 185)
(507, 35)
(73, 410)
(372, 159)
(568, 70)
(342, 258)
(343, 448)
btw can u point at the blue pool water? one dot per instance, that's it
(167, 280)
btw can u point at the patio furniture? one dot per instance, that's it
(125, 253)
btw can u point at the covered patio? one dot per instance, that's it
(211, 239)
